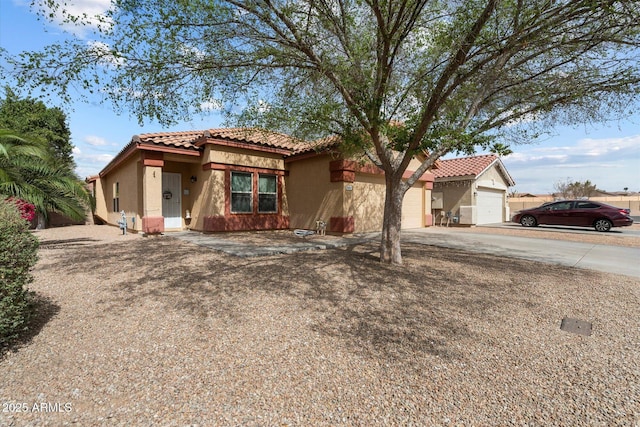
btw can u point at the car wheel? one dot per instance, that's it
(602, 225)
(528, 221)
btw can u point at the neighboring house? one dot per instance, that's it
(246, 179)
(471, 191)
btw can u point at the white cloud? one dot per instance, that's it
(92, 158)
(211, 105)
(95, 141)
(586, 150)
(611, 163)
(90, 15)
(102, 52)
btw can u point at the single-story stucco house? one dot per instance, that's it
(247, 179)
(471, 191)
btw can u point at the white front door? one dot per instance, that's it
(172, 200)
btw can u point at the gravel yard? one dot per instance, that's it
(156, 331)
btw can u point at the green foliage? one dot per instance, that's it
(35, 121)
(501, 149)
(27, 173)
(18, 255)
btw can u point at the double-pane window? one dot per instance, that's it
(241, 192)
(267, 193)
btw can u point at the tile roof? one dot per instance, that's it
(185, 139)
(253, 136)
(256, 136)
(464, 166)
(317, 145)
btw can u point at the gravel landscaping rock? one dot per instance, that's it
(158, 331)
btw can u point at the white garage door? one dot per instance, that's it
(489, 206)
(412, 207)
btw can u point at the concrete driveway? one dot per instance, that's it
(610, 259)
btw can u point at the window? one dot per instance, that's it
(587, 205)
(241, 192)
(116, 197)
(562, 206)
(267, 193)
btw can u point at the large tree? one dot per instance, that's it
(392, 77)
(32, 119)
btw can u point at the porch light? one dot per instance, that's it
(194, 178)
(187, 214)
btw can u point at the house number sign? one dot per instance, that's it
(167, 195)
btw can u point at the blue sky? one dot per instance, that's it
(607, 154)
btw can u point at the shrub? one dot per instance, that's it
(26, 209)
(18, 255)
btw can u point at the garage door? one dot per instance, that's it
(412, 207)
(489, 206)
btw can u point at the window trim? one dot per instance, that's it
(274, 193)
(116, 197)
(231, 193)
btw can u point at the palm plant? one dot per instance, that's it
(27, 172)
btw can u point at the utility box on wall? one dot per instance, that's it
(437, 200)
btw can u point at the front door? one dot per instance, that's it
(171, 200)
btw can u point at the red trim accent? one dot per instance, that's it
(121, 157)
(342, 224)
(343, 165)
(308, 155)
(428, 220)
(246, 222)
(152, 158)
(165, 149)
(343, 176)
(152, 224)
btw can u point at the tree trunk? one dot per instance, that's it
(390, 252)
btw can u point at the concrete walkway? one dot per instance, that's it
(246, 250)
(610, 259)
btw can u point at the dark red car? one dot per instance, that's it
(582, 213)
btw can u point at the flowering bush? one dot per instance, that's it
(27, 210)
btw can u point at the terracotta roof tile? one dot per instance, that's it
(256, 136)
(464, 166)
(184, 139)
(317, 145)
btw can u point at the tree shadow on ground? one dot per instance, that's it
(429, 305)
(43, 309)
(67, 243)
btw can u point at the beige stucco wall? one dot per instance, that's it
(127, 175)
(492, 178)
(311, 194)
(151, 180)
(366, 202)
(208, 197)
(455, 194)
(101, 210)
(241, 157)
